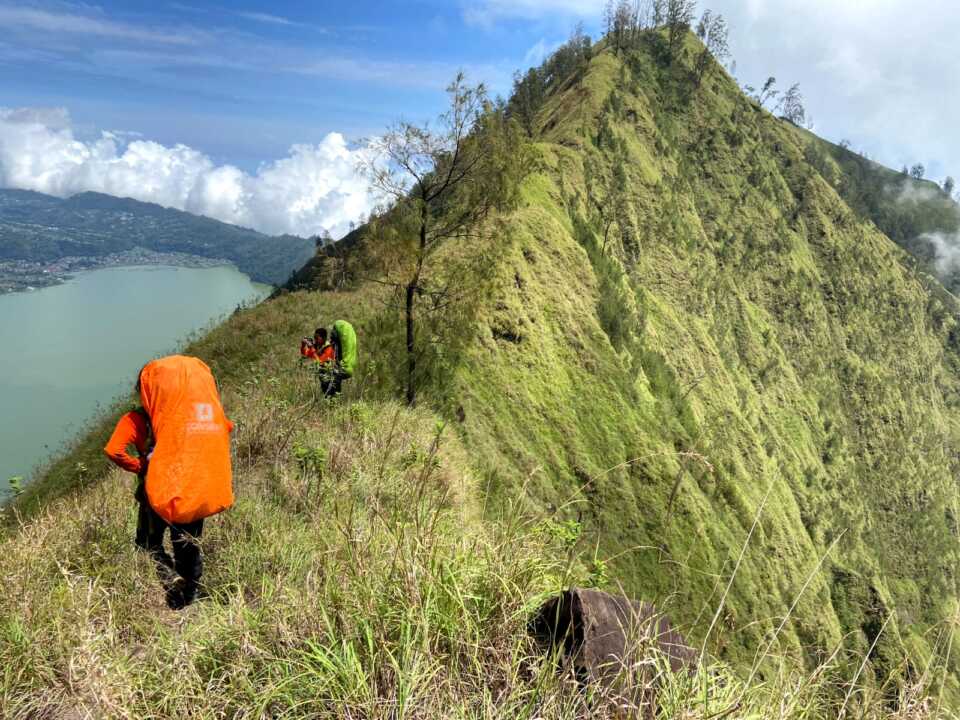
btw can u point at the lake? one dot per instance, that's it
(65, 350)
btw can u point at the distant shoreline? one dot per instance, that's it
(21, 276)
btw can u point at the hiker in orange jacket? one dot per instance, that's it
(133, 429)
(318, 348)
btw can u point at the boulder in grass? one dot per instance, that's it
(617, 644)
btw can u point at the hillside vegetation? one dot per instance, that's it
(690, 370)
(912, 212)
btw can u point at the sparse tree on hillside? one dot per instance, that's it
(769, 91)
(323, 239)
(527, 98)
(620, 19)
(678, 19)
(659, 13)
(610, 200)
(948, 185)
(569, 59)
(791, 105)
(644, 13)
(443, 181)
(712, 30)
(918, 171)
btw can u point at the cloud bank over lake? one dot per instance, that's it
(315, 189)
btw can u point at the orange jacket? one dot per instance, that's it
(325, 354)
(132, 429)
(189, 475)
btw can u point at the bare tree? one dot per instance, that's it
(678, 18)
(620, 19)
(659, 12)
(948, 185)
(323, 239)
(444, 182)
(918, 171)
(644, 13)
(768, 92)
(712, 30)
(791, 105)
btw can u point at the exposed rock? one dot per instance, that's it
(620, 644)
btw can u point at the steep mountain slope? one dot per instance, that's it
(694, 345)
(742, 312)
(691, 359)
(40, 228)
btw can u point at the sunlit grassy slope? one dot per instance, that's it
(745, 340)
(740, 405)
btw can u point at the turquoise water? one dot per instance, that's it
(68, 349)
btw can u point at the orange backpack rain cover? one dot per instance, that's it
(189, 476)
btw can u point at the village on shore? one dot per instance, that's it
(23, 275)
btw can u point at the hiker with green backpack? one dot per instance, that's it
(343, 340)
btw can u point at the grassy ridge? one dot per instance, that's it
(353, 578)
(745, 341)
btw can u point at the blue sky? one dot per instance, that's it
(253, 112)
(244, 81)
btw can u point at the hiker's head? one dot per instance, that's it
(320, 336)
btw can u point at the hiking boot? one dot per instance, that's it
(181, 594)
(176, 599)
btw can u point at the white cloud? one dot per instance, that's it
(56, 22)
(947, 249)
(316, 188)
(880, 72)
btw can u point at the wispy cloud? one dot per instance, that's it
(75, 24)
(159, 59)
(431, 75)
(487, 12)
(266, 18)
(539, 52)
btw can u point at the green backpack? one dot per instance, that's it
(344, 339)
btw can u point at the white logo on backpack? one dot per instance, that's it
(204, 419)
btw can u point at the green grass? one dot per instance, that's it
(353, 578)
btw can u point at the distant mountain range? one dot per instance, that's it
(38, 228)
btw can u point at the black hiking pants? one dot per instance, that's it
(331, 387)
(331, 383)
(187, 561)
